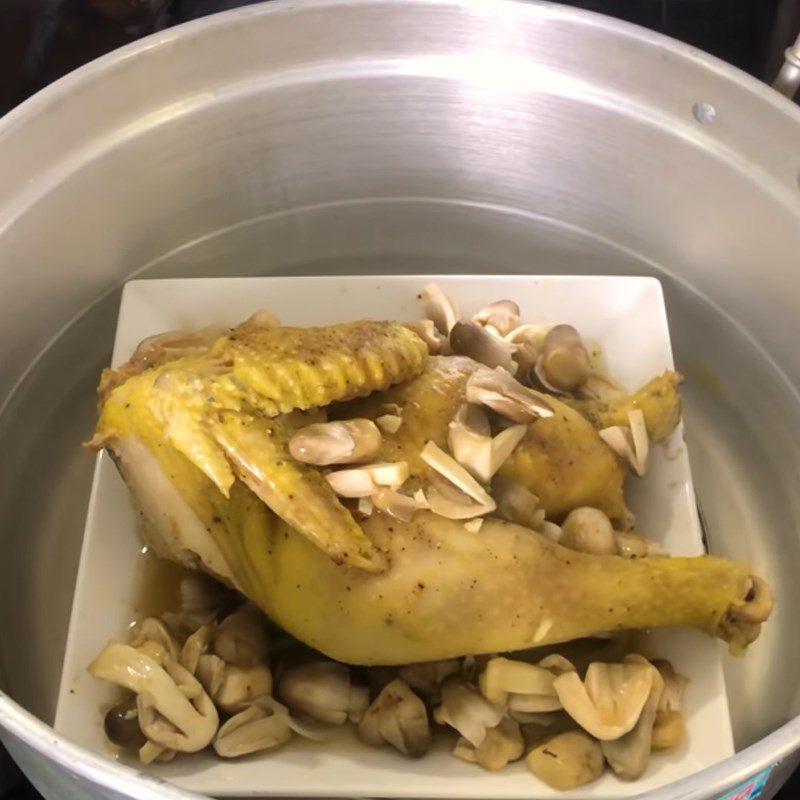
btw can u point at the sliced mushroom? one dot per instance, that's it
(502, 315)
(564, 361)
(427, 677)
(453, 493)
(473, 446)
(470, 339)
(399, 718)
(567, 761)
(151, 629)
(630, 442)
(397, 505)
(364, 481)
(174, 710)
(669, 730)
(497, 389)
(599, 386)
(241, 638)
(261, 727)
(516, 504)
(465, 709)
(439, 307)
(210, 672)
(351, 441)
(365, 506)
(588, 530)
(389, 423)
(474, 525)
(502, 745)
(519, 686)
(438, 343)
(454, 473)
(323, 691)
(629, 755)
(608, 703)
(674, 686)
(196, 646)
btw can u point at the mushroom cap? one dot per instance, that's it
(567, 761)
(399, 718)
(261, 727)
(608, 702)
(241, 638)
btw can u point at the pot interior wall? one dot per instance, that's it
(414, 165)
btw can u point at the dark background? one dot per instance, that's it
(41, 40)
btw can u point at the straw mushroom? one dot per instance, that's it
(465, 709)
(567, 761)
(473, 446)
(397, 505)
(502, 316)
(202, 600)
(241, 638)
(516, 504)
(196, 646)
(151, 629)
(501, 745)
(630, 442)
(529, 334)
(261, 727)
(588, 530)
(323, 691)
(519, 686)
(564, 362)
(364, 481)
(233, 688)
(669, 729)
(629, 755)
(174, 709)
(497, 389)
(456, 494)
(439, 307)
(438, 343)
(599, 386)
(608, 702)
(426, 677)
(351, 441)
(470, 339)
(399, 718)
(121, 724)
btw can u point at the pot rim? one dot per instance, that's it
(135, 783)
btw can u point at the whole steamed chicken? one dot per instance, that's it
(388, 505)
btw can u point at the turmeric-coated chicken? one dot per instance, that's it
(202, 443)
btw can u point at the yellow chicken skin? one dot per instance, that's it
(448, 592)
(385, 591)
(218, 410)
(562, 459)
(658, 400)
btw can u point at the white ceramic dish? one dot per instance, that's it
(626, 316)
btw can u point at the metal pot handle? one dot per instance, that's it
(788, 80)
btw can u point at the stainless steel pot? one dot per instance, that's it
(412, 135)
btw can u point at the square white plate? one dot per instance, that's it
(626, 316)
